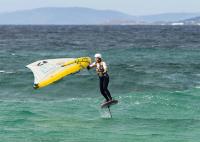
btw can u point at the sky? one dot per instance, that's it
(133, 7)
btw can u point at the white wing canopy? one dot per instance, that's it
(48, 71)
(44, 68)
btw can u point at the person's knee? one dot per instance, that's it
(102, 91)
(105, 88)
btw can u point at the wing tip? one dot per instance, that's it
(35, 86)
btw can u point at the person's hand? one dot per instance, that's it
(88, 67)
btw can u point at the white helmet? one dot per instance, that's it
(98, 55)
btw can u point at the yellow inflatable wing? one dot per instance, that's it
(48, 71)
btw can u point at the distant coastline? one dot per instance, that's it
(87, 16)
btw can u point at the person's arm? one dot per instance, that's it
(105, 67)
(91, 66)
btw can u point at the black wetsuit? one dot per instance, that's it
(103, 81)
(103, 84)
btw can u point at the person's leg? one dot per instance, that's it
(105, 87)
(101, 80)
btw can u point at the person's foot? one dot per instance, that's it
(105, 101)
(111, 100)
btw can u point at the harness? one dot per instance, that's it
(100, 69)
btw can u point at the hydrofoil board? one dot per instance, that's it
(109, 103)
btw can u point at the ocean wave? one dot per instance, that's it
(197, 75)
(168, 119)
(47, 101)
(26, 112)
(197, 87)
(17, 121)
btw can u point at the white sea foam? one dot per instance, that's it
(2, 71)
(198, 87)
(105, 113)
(198, 75)
(7, 72)
(178, 91)
(137, 103)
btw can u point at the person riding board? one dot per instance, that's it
(102, 72)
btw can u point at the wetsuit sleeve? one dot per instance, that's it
(91, 65)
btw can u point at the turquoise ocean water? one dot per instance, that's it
(154, 73)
